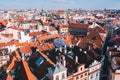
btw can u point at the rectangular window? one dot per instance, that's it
(77, 78)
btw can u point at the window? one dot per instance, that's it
(97, 74)
(57, 77)
(63, 75)
(91, 76)
(85, 74)
(81, 76)
(77, 78)
(81, 68)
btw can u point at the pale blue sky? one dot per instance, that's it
(59, 4)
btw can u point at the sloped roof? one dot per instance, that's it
(9, 77)
(12, 64)
(26, 49)
(57, 68)
(29, 74)
(85, 26)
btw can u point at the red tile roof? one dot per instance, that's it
(4, 22)
(46, 24)
(34, 33)
(20, 19)
(51, 62)
(9, 77)
(29, 74)
(2, 45)
(19, 29)
(12, 64)
(79, 26)
(33, 44)
(48, 37)
(60, 11)
(17, 54)
(52, 29)
(67, 39)
(24, 44)
(26, 49)
(7, 35)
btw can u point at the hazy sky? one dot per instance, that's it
(59, 4)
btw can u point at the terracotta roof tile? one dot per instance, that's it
(26, 49)
(2, 45)
(47, 37)
(46, 24)
(16, 42)
(34, 33)
(73, 21)
(14, 27)
(33, 44)
(24, 44)
(17, 54)
(60, 11)
(51, 62)
(41, 71)
(29, 74)
(7, 35)
(67, 39)
(12, 64)
(4, 22)
(52, 29)
(20, 19)
(9, 77)
(9, 43)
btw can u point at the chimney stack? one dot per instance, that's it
(80, 49)
(65, 51)
(65, 46)
(89, 47)
(63, 61)
(60, 49)
(76, 59)
(85, 52)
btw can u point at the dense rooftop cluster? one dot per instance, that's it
(55, 44)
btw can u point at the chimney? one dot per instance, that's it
(76, 59)
(65, 46)
(60, 49)
(48, 29)
(115, 46)
(80, 49)
(56, 49)
(85, 52)
(48, 53)
(89, 47)
(70, 45)
(65, 51)
(63, 61)
(107, 48)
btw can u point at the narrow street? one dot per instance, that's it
(105, 71)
